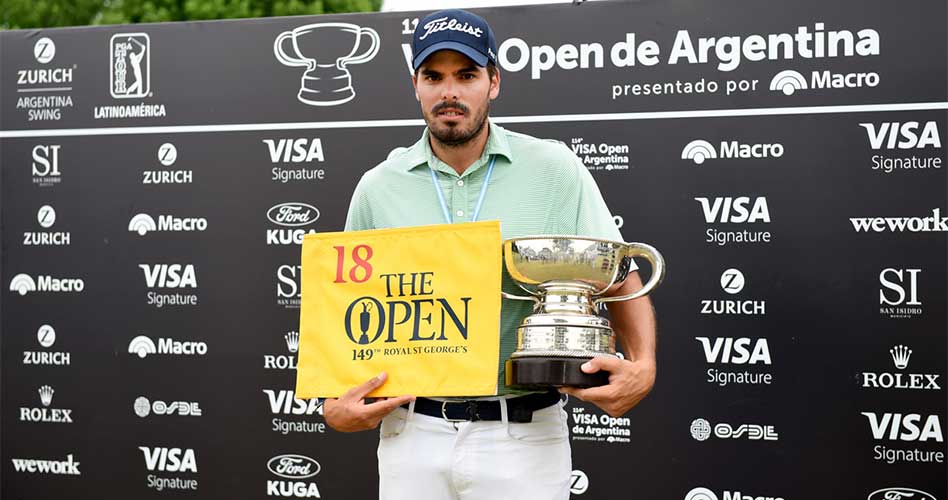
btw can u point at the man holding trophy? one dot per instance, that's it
(466, 168)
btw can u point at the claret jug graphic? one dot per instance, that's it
(325, 49)
(568, 277)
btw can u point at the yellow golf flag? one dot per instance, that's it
(421, 303)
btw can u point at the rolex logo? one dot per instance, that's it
(292, 341)
(900, 356)
(46, 395)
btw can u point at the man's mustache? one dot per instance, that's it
(445, 105)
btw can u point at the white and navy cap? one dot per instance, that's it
(456, 30)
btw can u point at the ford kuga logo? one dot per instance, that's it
(293, 214)
(900, 494)
(293, 466)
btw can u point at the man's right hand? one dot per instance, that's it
(350, 413)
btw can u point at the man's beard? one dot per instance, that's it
(454, 136)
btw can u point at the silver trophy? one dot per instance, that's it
(567, 278)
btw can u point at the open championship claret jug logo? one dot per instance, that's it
(381, 300)
(325, 50)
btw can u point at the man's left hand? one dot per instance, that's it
(629, 382)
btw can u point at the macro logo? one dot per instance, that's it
(143, 408)
(69, 466)
(46, 217)
(161, 460)
(700, 494)
(700, 150)
(144, 223)
(142, 346)
(292, 159)
(788, 82)
(284, 403)
(732, 210)
(24, 283)
(904, 146)
(706, 494)
(46, 337)
(46, 165)
(732, 282)
(901, 355)
(900, 493)
(701, 430)
(130, 68)
(898, 296)
(292, 216)
(167, 156)
(283, 361)
(578, 483)
(293, 470)
(46, 414)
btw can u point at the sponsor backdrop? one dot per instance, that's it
(788, 159)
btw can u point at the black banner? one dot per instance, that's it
(788, 161)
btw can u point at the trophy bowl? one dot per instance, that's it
(568, 277)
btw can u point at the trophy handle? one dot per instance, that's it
(519, 297)
(285, 59)
(654, 258)
(367, 55)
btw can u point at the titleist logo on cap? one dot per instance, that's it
(442, 24)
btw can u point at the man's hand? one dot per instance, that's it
(629, 382)
(350, 413)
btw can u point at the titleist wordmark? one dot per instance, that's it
(442, 24)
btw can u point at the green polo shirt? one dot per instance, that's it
(537, 187)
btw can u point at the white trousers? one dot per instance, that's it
(429, 458)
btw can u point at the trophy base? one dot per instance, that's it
(541, 372)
